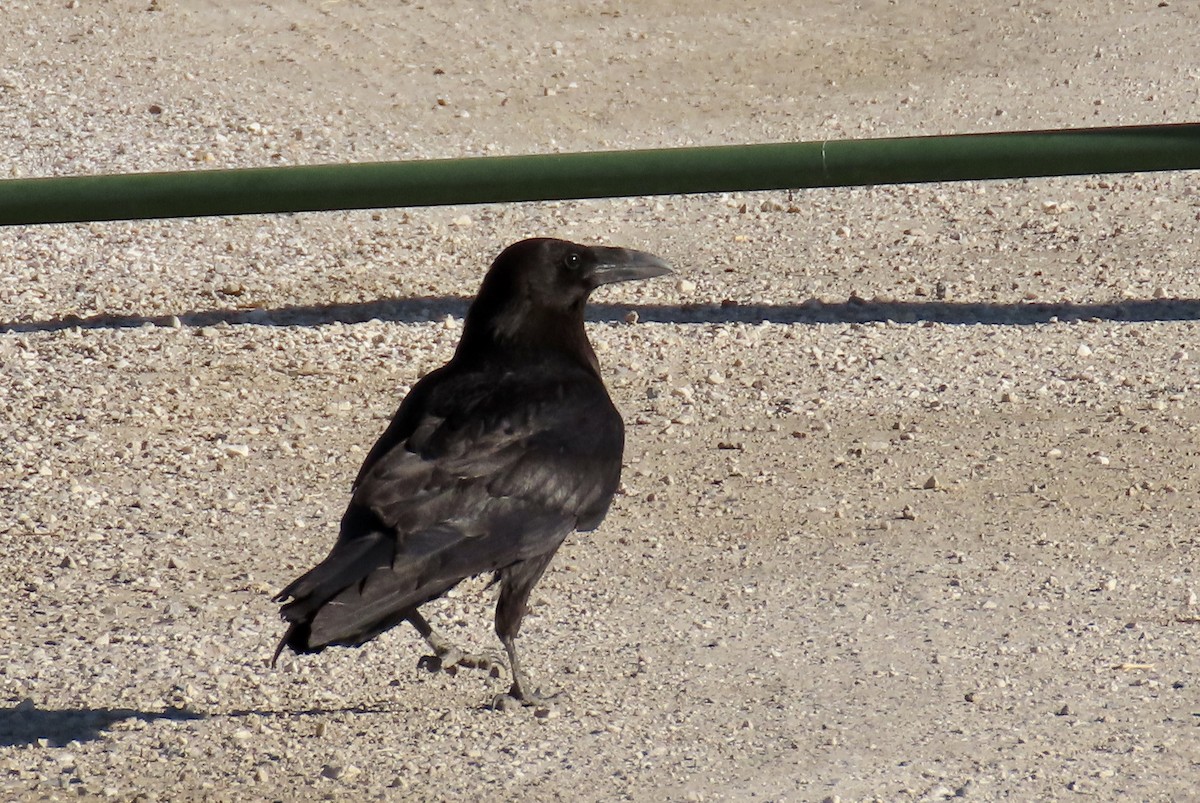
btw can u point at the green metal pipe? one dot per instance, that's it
(834, 163)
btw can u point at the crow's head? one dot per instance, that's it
(536, 289)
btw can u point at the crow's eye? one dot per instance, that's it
(573, 261)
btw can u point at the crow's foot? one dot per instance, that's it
(449, 659)
(515, 699)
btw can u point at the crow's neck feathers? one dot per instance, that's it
(523, 322)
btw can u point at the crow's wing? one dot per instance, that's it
(493, 468)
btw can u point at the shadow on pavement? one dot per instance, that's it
(26, 723)
(855, 310)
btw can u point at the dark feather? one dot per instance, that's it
(486, 467)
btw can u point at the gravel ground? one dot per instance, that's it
(911, 496)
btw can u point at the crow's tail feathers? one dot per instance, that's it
(296, 638)
(369, 584)
(321, 598)
(364, 587)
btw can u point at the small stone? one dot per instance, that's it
(237, 449)
(685, 286)
(1065, 711)
(631, 316)
(338, 772)
(1084, 350)
(1054, 453)
(932, 484)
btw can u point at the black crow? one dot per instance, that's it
(489, 463)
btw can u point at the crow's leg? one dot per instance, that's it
(445, 655)
(516, 582)
(520, 691)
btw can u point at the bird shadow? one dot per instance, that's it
(26, 724)
(813, 311)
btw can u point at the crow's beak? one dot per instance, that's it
(624, 265)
